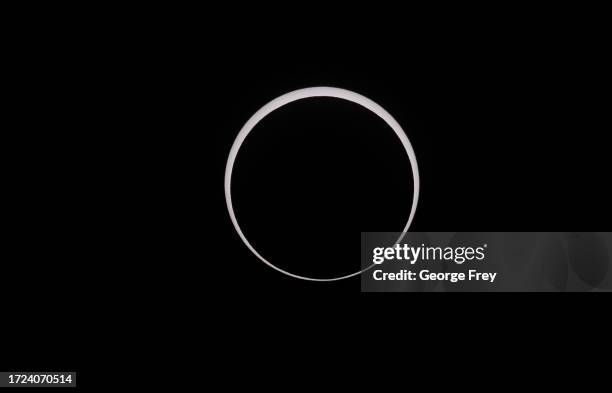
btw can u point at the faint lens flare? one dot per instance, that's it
(309, 93)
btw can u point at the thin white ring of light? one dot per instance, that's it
(310, 93)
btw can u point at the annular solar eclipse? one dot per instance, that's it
(300, 94)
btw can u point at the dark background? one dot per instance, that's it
(119, 247)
